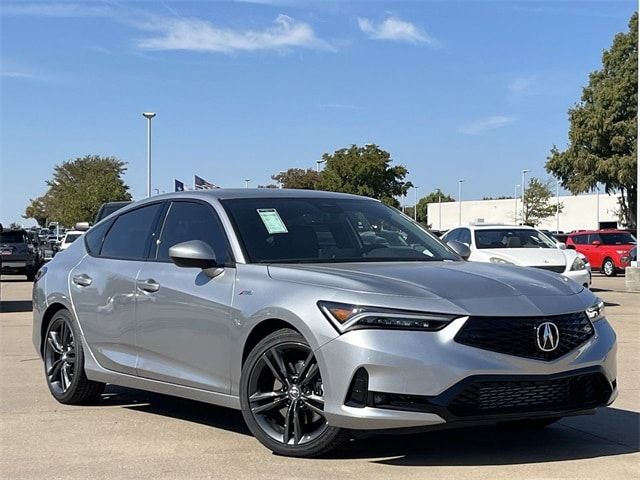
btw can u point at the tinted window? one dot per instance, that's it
(465, 236)
(451, 235)
(579, 239)
(129, 237)
(12, 237)
(617, 238)
(329, 229)
(512, 238)
(191, 221)
(94, 237)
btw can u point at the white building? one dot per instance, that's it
(579, 212)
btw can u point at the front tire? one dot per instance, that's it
(64, 363)
(609, 268)
(282, 397)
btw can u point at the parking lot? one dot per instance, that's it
(135, 434)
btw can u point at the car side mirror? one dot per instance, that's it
(460, 248)
(561, 245)
(596, 243)
(196, 254)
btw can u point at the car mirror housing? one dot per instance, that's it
(196, 254)
(460, 248)
(561, 245)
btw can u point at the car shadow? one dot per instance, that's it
(13, 306)
(610, 432)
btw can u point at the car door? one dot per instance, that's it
(184, 319)
(597, 252)
(103, 285)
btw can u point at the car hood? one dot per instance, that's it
(526, 256)
(456, 287)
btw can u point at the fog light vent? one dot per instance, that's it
(358, 390)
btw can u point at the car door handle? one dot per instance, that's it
(149, 285)
(82, 280)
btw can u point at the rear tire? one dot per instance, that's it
(609, 268)
(282, 397)
(64, 362)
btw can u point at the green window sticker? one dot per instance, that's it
(272, 221)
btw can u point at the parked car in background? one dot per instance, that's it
(39, 245)
(70, 237)
(108, 208)
(19, 254)
(316, 314)
(520, 245)
(607, 250)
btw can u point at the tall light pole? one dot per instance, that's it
(460, 182)
(557, 206)
(439, 209)
(524, 188)
(246, 182)
(415, 205)
(597, 207)
(515, 206)
(318, 163)
(148, 116)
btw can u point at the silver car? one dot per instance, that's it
(319, 315)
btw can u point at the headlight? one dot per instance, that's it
(578, 264)
(348, 317)
(500, 261)
(596, 312)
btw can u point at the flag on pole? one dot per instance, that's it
(178, 186)
(201, 184)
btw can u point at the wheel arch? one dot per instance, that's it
(261, 330)
(46, 319)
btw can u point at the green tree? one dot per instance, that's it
(300, 178)
(537, 202)
(78, 188)
(433, 197)
(364, 171)
(603, 129)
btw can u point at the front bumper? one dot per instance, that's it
(428, 366)
(582, 277)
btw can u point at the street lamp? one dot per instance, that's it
(557, 206)
(149, 116)
(439, 209)
(597, 207)
(318, 162)
(415, 206)
(246, 182)
(524, 172)
(515, 207)
(460, 182)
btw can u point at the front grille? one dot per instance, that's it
(517, 335)
(504, 397)
(551, 268)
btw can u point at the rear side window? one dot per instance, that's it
(192, 221)
(130, 234)
(579, 239)
(94, 237)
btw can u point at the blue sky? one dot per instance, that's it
(474, 90)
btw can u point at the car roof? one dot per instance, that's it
(496, 226)
(243, 193)
(606, 230)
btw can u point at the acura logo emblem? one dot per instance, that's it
(547, 336)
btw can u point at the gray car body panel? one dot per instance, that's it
(210, 320)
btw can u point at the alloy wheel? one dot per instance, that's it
(609, 268)
(285, 394)
(60, 356)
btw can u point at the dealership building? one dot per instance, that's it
(579, 212)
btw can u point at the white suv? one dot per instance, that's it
(521, 245)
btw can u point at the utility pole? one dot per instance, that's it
(515, 206)
(557, 206)
(415, 206)
(148, 116)
(460, 182)
(524, 188)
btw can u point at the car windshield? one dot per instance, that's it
(512, 238)
(319, 230)
(617, 238)
(12, 237)
(71, 237)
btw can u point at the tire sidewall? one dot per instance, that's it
(612, 272)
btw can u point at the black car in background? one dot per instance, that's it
(108, 208)
(19, 254)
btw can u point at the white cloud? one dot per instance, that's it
(487, 123)
(394, 28)
(201, 36)
(339, 106)
(18, 74)
(61, 10)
